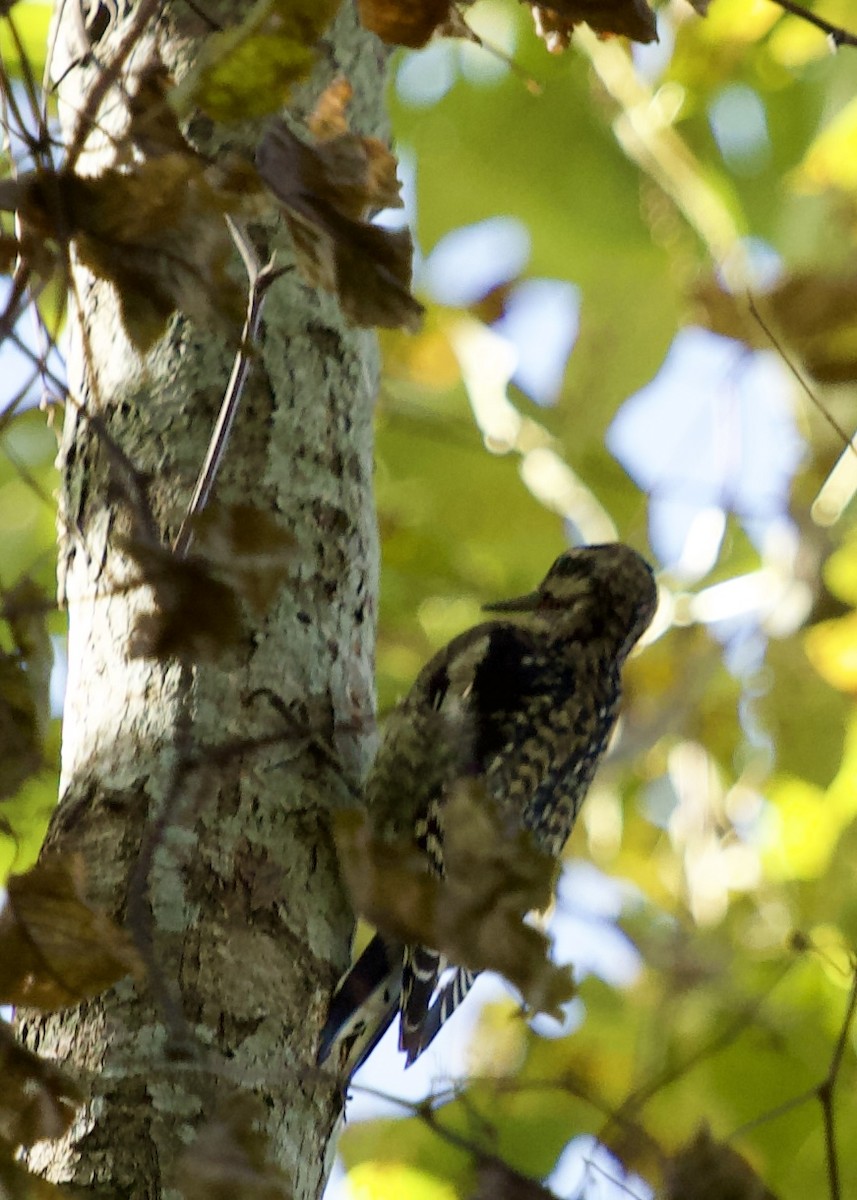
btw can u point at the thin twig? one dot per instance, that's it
(457, 26)
(823, 1092)
(807, 390)
(566, 1084)
(260, 280)
(826, 1090)
(837, 35)
(637, 1099)
(773, 1114)
(38, 110)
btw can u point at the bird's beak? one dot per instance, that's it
(527, 603)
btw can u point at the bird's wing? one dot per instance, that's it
(482, 679)
(363, 1006)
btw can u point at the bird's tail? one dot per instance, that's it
(414, 1039)
(363, 1006)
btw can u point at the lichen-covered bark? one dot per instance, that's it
(250, 926)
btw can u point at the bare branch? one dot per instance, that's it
(260, 280)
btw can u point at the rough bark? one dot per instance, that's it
(248, 921)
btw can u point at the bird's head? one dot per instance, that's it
(607, 587)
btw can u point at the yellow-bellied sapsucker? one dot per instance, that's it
(524, 704)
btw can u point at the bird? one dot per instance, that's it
(524, 704)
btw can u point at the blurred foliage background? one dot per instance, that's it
(639, 267)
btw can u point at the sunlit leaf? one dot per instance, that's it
(248, 70)
(31, 19)
(830, 160)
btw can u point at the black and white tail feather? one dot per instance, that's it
(525, 705)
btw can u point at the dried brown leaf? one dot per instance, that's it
(815, 313)
(228, 1160)
(55, 949)
(388, 882)
(36, 1100)
(328, 191)
(475, 915)
(705, 1169)
(24, 685)
(328, 118)
(8, 252)
(624, 18)
(18, 1184)
(156, 231)
(495, 876)
(241, 553)
(154, 127)
(403, 22)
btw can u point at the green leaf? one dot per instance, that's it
(24, 37)
(249, 70)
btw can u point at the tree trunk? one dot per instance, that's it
(249, 926)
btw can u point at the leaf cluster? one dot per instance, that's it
(728, 805)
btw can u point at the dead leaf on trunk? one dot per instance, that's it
(55, 948)
(494, 877)
(155, 230)
(240, 553)
(328, 191)
(25, 675)
(37, 1100)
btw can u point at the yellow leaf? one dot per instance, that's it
(840, 571)
(795, 43)
(31, 20)
(831, 160)
(390, 1180)
(248, 70)
(831, 647)
(803, 835)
